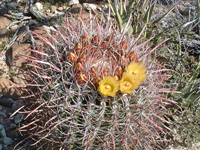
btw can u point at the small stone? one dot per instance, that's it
(18, 79)
(73, 2)
(7, 102)
(7, 141)
(17, 104)
(2, 132)
(14, 27)
(56, 12)
(21, 1)
(59, 13)
(4, 23)
(3, 113)
(1, 146)
(60, 8)
(39, 6)
(12, 6)
(92, 6)
(18, 118)
(48, 11)
(3, 9)
(53, 8)
(12, 125)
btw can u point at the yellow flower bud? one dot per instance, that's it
(71, 57)
(81, 78)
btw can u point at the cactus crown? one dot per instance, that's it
(82, 60)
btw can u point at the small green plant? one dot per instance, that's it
(139, 13)
(187, 116)
(3, 44)
(47, 4)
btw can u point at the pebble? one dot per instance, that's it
(12, 125)
(21, 1)
(60, 8)
(2, 132)
(7, 102)
(73, 2)
(12, 6)
(2, 9)
(53, 8)
(18, 79)
(17, 104)
(48, 11)
(6, 140)
(18, 118)
(14, 27)
(39, 6)
(92, 6)
(3, 113)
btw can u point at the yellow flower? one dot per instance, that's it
(137, 69)
(108, 86)
(128, 83)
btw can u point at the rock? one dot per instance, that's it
(48, 11)
(21, 1)
(2, 132)
(12, 126)
(3, 113)
(196, 146)
(7, 89)
(4, 23)
(18, 118)
(13, 6)
(73, 2)
(75, 8)
(4, 69)
(164, 24)
(7, 102)
(39, 6)
(13, 54)
(92, 6)
(6, 140)
(58, 13)
(17, 104)
(3, 9)
(14, 27)
(185, 8)
(53, 8)
(1, 146)
(19, 79)
(60, 8)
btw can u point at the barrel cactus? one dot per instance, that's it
(94, 87)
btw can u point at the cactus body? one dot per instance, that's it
(96, 88)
